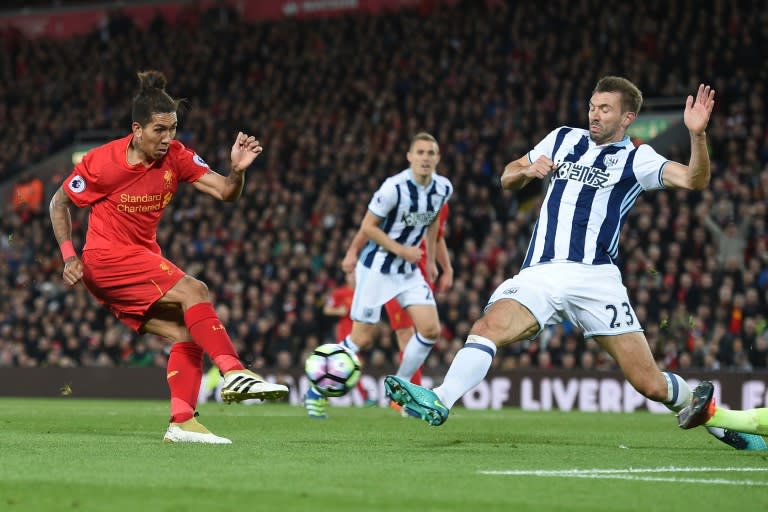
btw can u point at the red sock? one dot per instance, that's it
(363, 392)
(208, 332)
(184, 373)
(416, 379)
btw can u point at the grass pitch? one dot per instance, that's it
(105, 455)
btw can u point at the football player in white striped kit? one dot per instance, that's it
(569, 270)
(401, 213)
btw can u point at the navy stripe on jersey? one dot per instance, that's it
(555, 198)
(559, 141)
(607, 247)
(405, 266)
(553, 208)
(580, 221)
(413, 193)
(430, 194)
(590, 193)
(661, 172)
(369, 251)
(529, 252)
(407, 210)
(578, 150)
(389, 221)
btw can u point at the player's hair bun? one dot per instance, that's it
(151, 80)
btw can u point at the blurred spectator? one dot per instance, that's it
(344, 95)
(28, 198)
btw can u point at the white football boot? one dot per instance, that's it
(191, 431)
(242, 385)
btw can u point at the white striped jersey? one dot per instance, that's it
(589, 196)
(407, 210)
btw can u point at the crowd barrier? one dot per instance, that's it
(540, 390)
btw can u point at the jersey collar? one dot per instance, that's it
(625, 142)
(413, 179)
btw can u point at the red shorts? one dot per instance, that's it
(398, 317)
(129, 283)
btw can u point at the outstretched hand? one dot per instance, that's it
(697, 111)
(244, 151)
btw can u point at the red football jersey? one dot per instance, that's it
(126, 200)
(342, 297)
(441, 218)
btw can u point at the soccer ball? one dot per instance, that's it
(332, 369)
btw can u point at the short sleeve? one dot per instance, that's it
(384, 199)
(648, 168)
(449, 192)
(188, 165)
(82, 185)
(545, 147)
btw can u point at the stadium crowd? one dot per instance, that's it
(334, 102)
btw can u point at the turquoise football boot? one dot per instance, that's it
(416, 401)
(742, 441)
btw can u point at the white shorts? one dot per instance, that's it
(374, 289)
(591, 296)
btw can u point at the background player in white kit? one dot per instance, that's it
(401, 213)
(569, 271)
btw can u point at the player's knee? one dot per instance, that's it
(197, 291)
(489, 326)
(364, 341)
(431, 332)
(363, 337)
(504, 325)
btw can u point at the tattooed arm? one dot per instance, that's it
(61, 221)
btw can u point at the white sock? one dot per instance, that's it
(415, 353)
(678, 392)
(467, 370)
(351, 345)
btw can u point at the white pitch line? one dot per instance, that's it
(634, 474)
(669, 469)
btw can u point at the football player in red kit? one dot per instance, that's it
(128, 183)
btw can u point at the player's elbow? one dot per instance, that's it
(512, 182)
(231, 197)
(701, 183)
(686, 177)
(694, 183)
